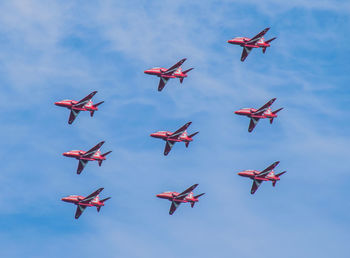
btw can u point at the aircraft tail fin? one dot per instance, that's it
(267, 41)
(185, 72)
(96, 105)
(190, 136)
(275, 112)
(278, 175)
(99, 207)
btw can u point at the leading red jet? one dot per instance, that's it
(171, 138)
(258, 177)
(256, 114)
(249, 43)
(178, 198)
(165, 74)
(85, 156)
(76, 106)
(83, 202)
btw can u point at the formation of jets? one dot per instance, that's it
(180, 135)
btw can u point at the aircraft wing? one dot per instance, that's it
(255, 186)
(79, 211)
(173, 207)
(267, 170)
(257, 37)
(85, 100)
(252, 124)
(162, 83)
(245, 53)
(186, 192)
(181, 130)
(168, 146)
(93, 150)
(92, 196)
(174, 68)
(81, 166)
(261, 110)
(73, 115)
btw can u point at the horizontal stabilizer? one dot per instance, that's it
(280, 174)
(106, 199)
(105, 154)
(190, 136)
(199, 195)
(276, 111)
(187, 70)
(268, 41)
(99, 103)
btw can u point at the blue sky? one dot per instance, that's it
(55, 50)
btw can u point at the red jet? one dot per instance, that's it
(258, 177)
(85, 156)
(178, 198)
(83, 202)
(179, 135)
(76, 106)
(256, 114)
(165, 74)
(248, 44)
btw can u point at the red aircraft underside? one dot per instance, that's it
(256, 114)
(171, 138)
(165, 74)
(248, 44)
(178, 198)
(258, 177)
(93, 154)
(76, 106)
(92, 200)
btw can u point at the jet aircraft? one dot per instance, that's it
(83, 202)
(248, 44)
(76, 106)
(258, 177)
(85, 156)
(165, 74)
(178, 198)
(256, 114)
(179, 135)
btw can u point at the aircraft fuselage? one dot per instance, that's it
(79, 154)
(166, 136)
(249, 112)
(160, 72)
